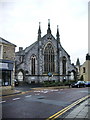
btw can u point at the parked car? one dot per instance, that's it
(78, 84)
(87, 83)
(16, 83)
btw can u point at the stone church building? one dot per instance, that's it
(44, 60)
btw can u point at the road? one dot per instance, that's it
(41, 103)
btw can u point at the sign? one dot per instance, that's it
(4, 65)
(50, 74)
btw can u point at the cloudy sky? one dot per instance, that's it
(19, 21)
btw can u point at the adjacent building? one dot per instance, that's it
(78, 68)
(7, 62)
(85, 69)
(44, 60)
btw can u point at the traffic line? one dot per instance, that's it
(37, 91)
(2, 101)
(56, 115)
(28, 96)
(16, 98)
(37, 94)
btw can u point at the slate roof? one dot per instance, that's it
(29, 47)
(32, 45)
(6, 42)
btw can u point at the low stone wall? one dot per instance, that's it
(36, 79)
(31, 79)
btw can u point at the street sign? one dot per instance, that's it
(50, 74)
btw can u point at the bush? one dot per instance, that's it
(53, 83)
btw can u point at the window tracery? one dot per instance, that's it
(49, 65)
(33, 58)
(64, 65)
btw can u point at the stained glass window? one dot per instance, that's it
(33, 65)
(64, 65)
(49, 65)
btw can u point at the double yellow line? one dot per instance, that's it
(56, 115)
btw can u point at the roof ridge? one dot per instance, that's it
(7, 42)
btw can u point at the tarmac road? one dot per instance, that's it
(40, 103)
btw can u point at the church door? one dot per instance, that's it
(20, 76)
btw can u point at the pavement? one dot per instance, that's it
(81, 111)
(8, 91)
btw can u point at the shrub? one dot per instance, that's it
(53, 83)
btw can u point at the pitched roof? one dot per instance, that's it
(29, 47)
(6, 42)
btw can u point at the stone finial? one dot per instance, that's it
(78, 62)
(57, 35)
(39, 30)
(49, 30)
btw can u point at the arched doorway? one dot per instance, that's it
(73, 75)
(20, 76)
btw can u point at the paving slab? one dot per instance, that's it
(80, 111)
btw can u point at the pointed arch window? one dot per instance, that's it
(33, 59)
(64, 65)
(49, 65)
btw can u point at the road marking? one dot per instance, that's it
(56, 115)
(42, 91)
(37, 94)
(37, 91)
(45, 91)
(28, 96)
(54, 90)
(2, 101)
(16, 98)
(61, 89)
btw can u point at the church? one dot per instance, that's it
(44, 60)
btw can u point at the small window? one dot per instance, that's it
(83, 69)
(21, 59)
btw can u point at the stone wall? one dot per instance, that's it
(8, 59)
(37, 79)
(8, 52)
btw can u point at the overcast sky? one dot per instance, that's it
(19, 21)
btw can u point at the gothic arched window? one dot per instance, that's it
(64, 65)
(49, 65)
(33, 58)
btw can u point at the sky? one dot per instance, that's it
(19, 22)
